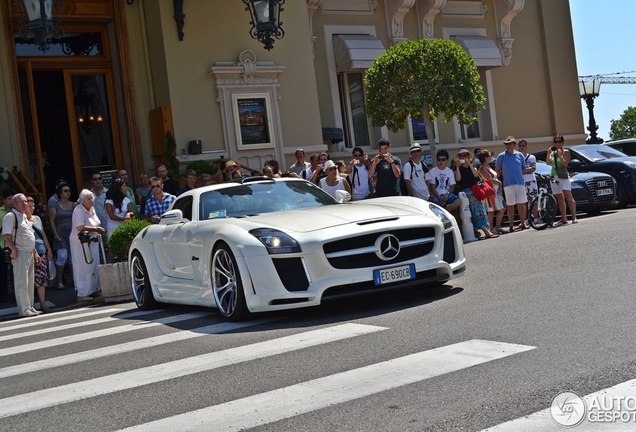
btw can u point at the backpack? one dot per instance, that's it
(403, 189)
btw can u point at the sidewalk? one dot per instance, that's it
(56, 300)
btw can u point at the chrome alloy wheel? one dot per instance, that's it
(225, 282)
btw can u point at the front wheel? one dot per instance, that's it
(227, 285)
(545, 208)
(622, 198)
(141, 289)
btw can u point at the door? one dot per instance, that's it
(70, 124)
(93, 123)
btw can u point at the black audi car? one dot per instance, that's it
(604, 159)
(592, 191)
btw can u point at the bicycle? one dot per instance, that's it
(545, 204)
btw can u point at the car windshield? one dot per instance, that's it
(598, 152)
(261, 197)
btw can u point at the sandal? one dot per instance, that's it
(524, 227)
(575, 221)
(560, 222)
(492, 235)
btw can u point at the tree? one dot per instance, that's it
(423, 79)
(624, 127)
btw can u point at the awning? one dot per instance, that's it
(335, 135)
(482, 49)
(356, 51)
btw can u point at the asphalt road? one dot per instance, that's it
(536, 314)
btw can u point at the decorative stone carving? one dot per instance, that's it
(375, 4)
(247, 58)
(395, 12)
(312, 7)
(429, 11)
(506, 10)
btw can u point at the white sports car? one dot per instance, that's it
(261, 244)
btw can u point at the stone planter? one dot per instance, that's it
(115, 281)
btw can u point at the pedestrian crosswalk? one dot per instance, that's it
(59, 343)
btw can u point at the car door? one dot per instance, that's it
(176, 237)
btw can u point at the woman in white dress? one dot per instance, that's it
(117, 205)
(333, 181)
(85, 276)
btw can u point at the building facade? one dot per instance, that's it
(124, 73)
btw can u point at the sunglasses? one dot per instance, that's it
(510, 144)
(441, 159)
(523, 145)
(96, 179)
(558, 142)
(155, 186)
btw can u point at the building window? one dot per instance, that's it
(354, 119)
(470, 131)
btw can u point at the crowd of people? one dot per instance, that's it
(99, 211)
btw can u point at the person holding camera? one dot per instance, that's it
(386, 168)
(358, 175)
(466, 175)
(559, 158)
(19, 236)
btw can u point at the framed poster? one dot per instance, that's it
(252, 113)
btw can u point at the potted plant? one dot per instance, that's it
(115, 277)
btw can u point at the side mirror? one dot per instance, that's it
(575, 165)
(172, 217)
(343, 196)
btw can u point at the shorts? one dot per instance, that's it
(451, 199)
(559, 185)
(532, 190)
(515, 194)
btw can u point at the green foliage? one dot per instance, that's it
(423, 79)
(202, 167)
(121, 238)
(170, 154)
(625, 127)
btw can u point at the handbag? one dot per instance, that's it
(562, 172)
(483, 189)
(6, 251)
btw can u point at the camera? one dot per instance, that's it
(461, 161)
(553, 148)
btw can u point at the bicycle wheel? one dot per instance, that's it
(546, 207)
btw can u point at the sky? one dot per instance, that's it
(604, 42)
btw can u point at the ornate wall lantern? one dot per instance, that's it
(265, 23)
(41, 26)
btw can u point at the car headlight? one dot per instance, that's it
(630, 164)
(276, 242)
(442, 215)
(577, 185)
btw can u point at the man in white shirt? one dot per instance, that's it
(358, 175)
(416, 175)
(443, 183)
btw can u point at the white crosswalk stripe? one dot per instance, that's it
(543, 420)
(279, 404)
(152, 374)
(79, 329)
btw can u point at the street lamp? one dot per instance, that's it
(41, 25)
(265, 23)
(589, 89)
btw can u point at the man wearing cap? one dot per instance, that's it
(386, 168)
(416, 175)
(510, 164)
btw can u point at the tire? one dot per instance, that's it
(227, 285)
(140, 282)
(546, 212)
(622, 199)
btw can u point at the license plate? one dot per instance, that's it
(602, 192)
(394, 274)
